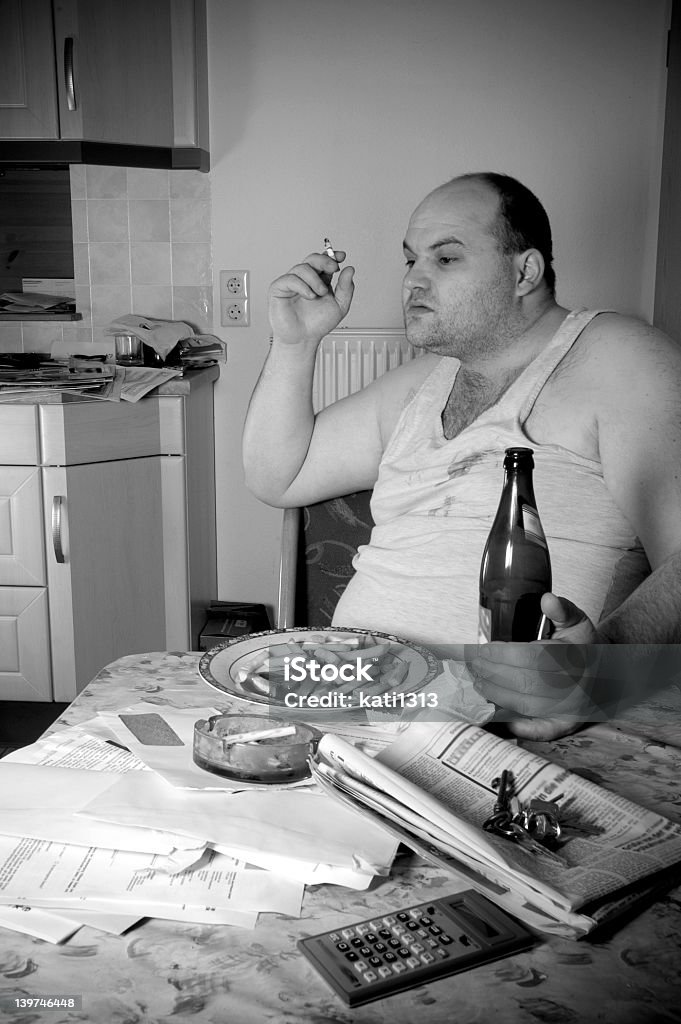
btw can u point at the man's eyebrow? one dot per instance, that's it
(450, 240)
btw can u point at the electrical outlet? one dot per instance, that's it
(234, 298)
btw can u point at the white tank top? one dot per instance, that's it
(435, 499)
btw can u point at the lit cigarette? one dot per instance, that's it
(258, 734)
(328, 248)
(542, 631)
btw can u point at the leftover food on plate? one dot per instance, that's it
(297, 668)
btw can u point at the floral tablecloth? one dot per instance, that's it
(169, 972)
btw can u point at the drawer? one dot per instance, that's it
(85, 432)
(18, 435)
(22, 556)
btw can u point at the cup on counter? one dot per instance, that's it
(128, 350)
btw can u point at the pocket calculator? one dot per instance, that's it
(410, 946)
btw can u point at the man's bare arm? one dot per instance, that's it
(291, 457)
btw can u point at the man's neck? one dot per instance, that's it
(516, 350)
(480, 383)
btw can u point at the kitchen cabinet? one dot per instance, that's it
(107, 534)
(117, 82)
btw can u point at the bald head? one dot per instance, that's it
(517, 220)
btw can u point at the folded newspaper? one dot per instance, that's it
(433, 789)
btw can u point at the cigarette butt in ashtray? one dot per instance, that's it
(258, 734)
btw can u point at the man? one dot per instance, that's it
(597, 396)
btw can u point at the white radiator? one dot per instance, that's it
(350, 358)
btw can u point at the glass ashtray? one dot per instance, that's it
(254, 748)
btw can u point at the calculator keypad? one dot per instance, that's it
(400, 942)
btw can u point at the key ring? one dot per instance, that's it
(501, 824)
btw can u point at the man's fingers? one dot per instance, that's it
(543, 657)
(345, 288)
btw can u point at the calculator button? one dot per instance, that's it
(426, 958)
(380, 947)
(433, 943)
(389, 921)
(430, 910)
(398, 967)
(441, 954)
(334, 936)
(390, 958)
(361, 929)
(384, 972)
(342, 947)
(371, 937)
(347, 933)
(402, 916)
(375, 961)
(421, 934)
(385, 933)
(425, 920)
(351, 955)
(399, 929)
(435, 930)
(446, 939)
(360, 966)
(416, 947)
(357, 942)
(395, 943)
(415, 912)
(366, 950)
(412, 926)
(403, 952)
(370, 976)
(413, 961)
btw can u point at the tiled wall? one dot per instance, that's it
(142, 244)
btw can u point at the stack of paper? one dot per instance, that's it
(94, 833)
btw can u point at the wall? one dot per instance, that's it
(336, 118)
(141, 243)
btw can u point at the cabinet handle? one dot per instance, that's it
(57, 518)
(69, 82)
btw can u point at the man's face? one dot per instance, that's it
(458, 293)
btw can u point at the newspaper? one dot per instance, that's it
(433, 787)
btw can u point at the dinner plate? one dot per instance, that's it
(234, 665)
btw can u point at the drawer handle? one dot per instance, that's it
(69, 81)
(57, 520)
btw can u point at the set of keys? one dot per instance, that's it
(535, 825)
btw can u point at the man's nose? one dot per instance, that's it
(416, 278)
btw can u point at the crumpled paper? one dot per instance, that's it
(457, 696)
(161, 335)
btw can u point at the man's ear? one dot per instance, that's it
(529, 271)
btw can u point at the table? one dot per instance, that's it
(171, 972)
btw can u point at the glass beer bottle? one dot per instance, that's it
(516, 568)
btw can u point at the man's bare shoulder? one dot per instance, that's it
(396, 388)
(630, 341)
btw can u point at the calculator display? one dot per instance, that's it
(412, 945)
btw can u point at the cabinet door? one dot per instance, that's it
(24, 644)
(28, 88)
(120, 86)
(105, 569)
(22, 561)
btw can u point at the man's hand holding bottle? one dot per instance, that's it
(547, 688)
